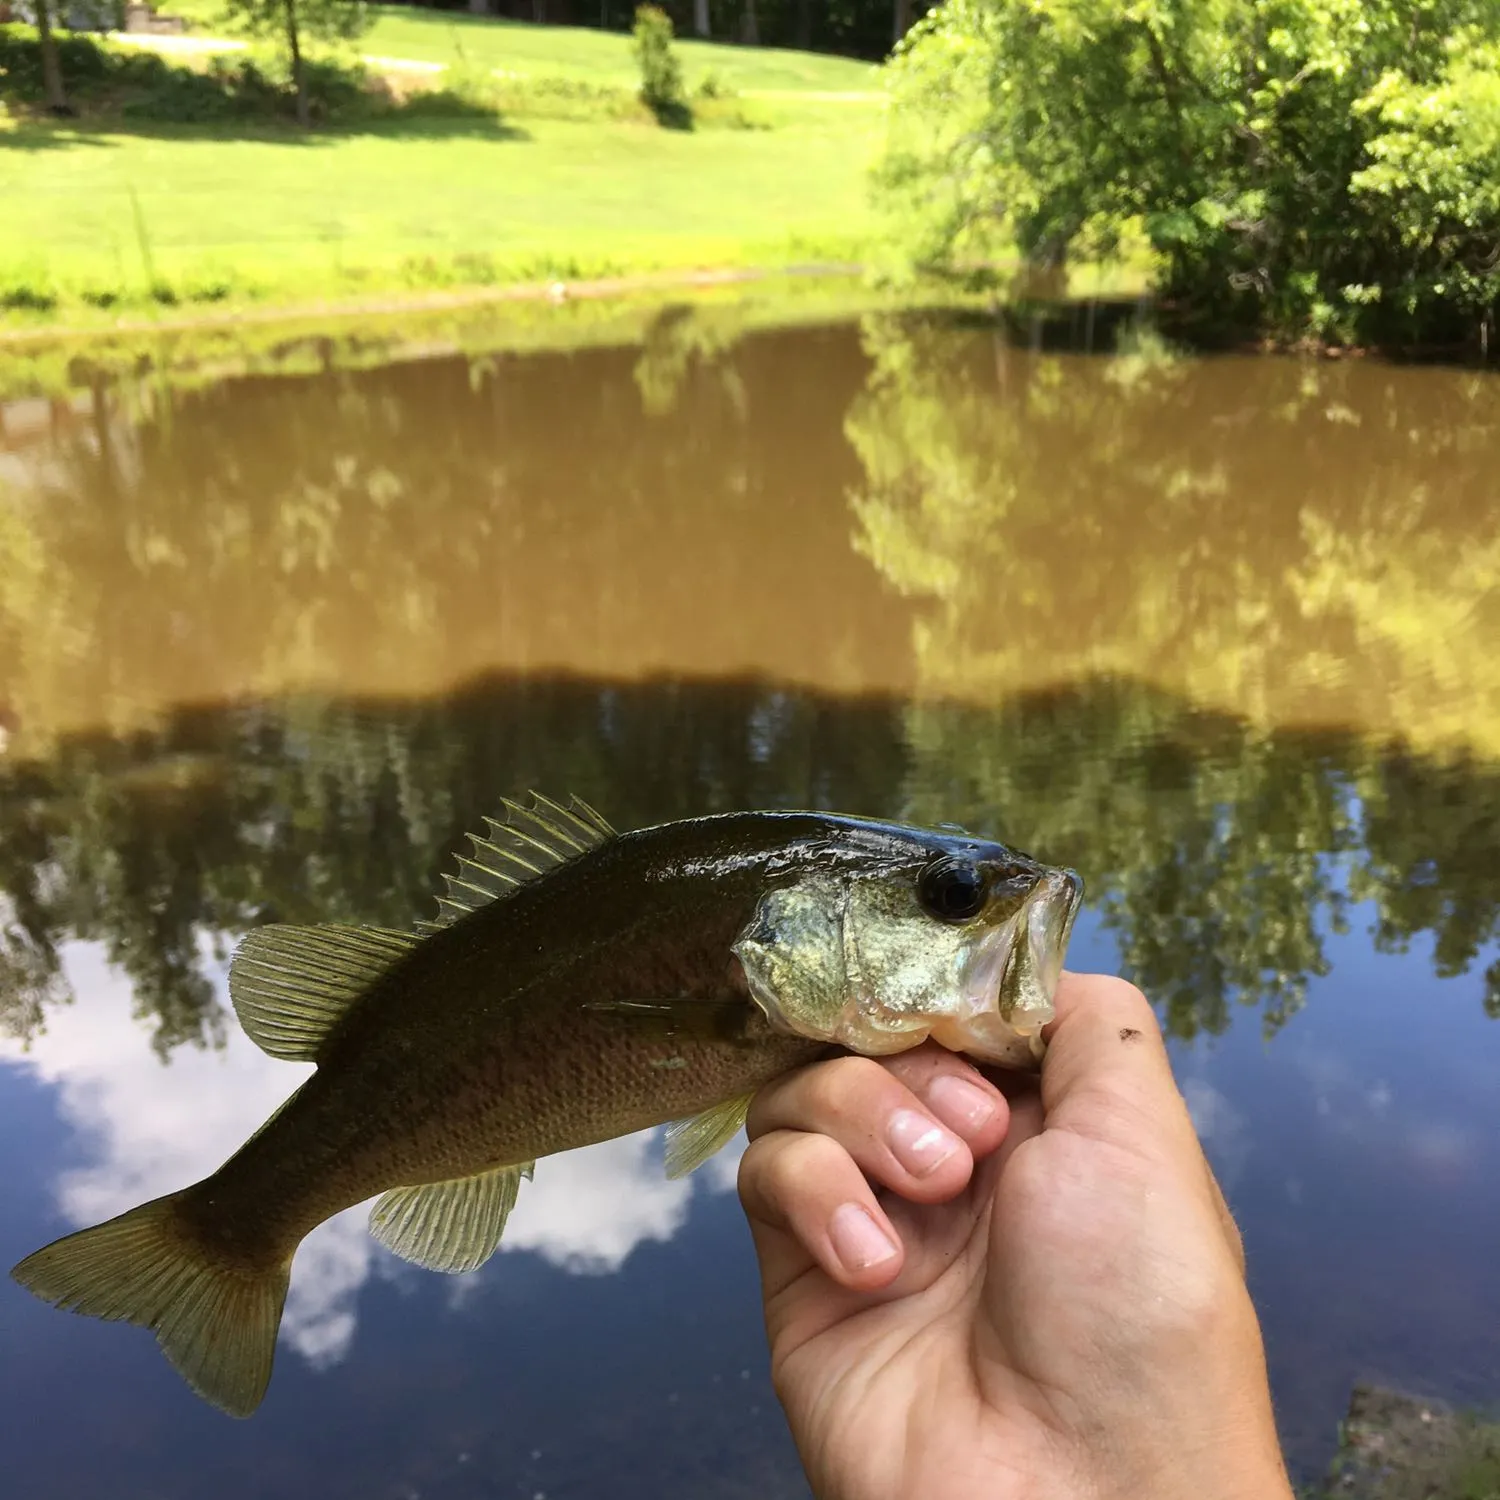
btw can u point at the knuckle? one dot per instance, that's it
(850, 1081)
(826, 1090)
(778, 1167)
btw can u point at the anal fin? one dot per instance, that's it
(449, 1226)
(691, 1142)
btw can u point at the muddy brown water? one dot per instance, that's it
(1218, 632)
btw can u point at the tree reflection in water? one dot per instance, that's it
(1218, 853)
(1216, 632)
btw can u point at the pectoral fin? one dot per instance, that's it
(691, 1142)
(449, 1226)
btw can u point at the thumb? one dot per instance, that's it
(1106, 1073)
(1107, 1076)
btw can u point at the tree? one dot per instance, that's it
(289, 22)
(52, 82)
(1322, 167)
(661, 74)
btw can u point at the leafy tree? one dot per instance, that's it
(661, 74)
(1313, 166)
(290, 22)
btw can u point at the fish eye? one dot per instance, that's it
(952, 889)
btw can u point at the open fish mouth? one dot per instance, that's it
(1028, 983)
(1011, 983)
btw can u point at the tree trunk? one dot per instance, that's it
(750, 25)
(700, 17)
(52, 84)
(294, 46)
(804, 24)
(903, 18)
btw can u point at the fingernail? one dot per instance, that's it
(964, 1105)
(920, 1146)
(858, 1241)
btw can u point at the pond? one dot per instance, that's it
(1220, 633)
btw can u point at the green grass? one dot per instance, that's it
(107, 216)
(270, 215)
(602, 57)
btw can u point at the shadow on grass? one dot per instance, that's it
(50, 135)
(670, 114)
(62, 135)
(127, 92)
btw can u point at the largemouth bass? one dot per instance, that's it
(577, 985)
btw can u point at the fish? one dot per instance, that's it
(576, 985)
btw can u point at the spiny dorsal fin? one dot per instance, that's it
(449, 1226)
(525, 843)
(290, 984)
(691, 1142)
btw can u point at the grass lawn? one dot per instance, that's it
(571, 51)
(275, 216)
(103, 215)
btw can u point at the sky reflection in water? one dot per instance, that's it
(271, 646)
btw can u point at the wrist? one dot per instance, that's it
(1227, 1471)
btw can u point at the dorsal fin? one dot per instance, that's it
(289, 984)
(524, 843)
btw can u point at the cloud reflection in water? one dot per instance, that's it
(144, 1130)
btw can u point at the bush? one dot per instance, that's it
(142, 85)
(1323, 168)
(661, 77)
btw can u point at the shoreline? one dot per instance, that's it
(394, 304)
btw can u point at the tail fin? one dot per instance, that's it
(216, 1323)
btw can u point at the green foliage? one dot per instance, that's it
(139, 85)
(84, 62)
(1314, 167)
(324, 20)
(661, 75)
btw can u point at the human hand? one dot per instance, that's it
(975, 1299)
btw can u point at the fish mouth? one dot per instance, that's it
(1012, 978)
(1033, 969)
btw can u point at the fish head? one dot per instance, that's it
(899, 934)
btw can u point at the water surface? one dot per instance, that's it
(1219, 633)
